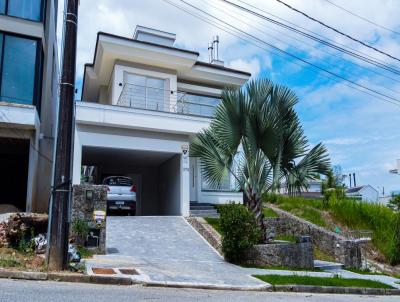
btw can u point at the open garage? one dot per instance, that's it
(14, 163)
(155, 176)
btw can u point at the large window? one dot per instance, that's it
(197, 104)
(20, 70)
(144, 92)
(26, 9)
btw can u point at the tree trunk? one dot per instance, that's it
(255, 205)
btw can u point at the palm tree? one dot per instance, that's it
(256, 136)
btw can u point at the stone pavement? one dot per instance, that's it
(167, 250)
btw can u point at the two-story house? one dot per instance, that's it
(28, 101)
(142, 100)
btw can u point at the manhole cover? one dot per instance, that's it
(128, 271)
(103, 271)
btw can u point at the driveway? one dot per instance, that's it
(168, 250)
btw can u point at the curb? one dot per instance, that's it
(336, 290)
(114, 280)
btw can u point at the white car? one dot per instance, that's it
(121, 194)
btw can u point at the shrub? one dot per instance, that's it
(239, 231)
(80, 229)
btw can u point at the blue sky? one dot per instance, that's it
(361, 132)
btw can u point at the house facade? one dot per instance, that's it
(143, 99)
(364, 193)
(28, 101)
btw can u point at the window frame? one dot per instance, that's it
(42, 12)
(38, 80)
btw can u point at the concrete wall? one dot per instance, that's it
(169, 184)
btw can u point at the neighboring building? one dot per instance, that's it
(28, 101)
(364, 193)
(142, 101)
(314, 189)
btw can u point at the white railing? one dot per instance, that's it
(150, 98)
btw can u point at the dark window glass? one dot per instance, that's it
(118, 181)
(27, 9)
(2, 6)
(19, 69)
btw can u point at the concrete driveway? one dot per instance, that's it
(167, 250)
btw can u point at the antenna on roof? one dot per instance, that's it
(216, 45)
(213, 52)
(210, 52)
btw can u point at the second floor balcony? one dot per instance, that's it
(158, 99)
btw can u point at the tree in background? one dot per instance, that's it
(256, 136)
(333, 186)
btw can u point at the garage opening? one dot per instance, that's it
(14, 163)
(155, 177)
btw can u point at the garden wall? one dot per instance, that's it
(344, 250)
(88, 204)
(282, 254)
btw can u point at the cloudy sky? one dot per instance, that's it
(361, 132)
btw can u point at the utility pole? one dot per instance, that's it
(58, 218)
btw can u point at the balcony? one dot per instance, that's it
(156, 99)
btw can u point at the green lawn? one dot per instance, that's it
(214, 222)
(269, 213)
(281, 268)
(289, 238)
(320, 281)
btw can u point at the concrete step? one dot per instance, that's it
(206, 215)
(202, 208)
(327, 266)
(203, 212)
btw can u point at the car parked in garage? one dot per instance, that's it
(121, 194)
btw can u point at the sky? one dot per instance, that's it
(360, 131)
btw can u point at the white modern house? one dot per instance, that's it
(313, 190)
(28, 101)
(364, 193)
(142, 100)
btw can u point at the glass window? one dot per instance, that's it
(19, 69)
(227, 184)
(27, 9)
(144, 92)
(2, 6)
(197, 104)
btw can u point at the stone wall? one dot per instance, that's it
(86, 199)
(344, 250)
(207, 231)
(284, 254)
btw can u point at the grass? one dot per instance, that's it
(349, 213)
(289, 238)
(214, 222)
(320, 281)
(85, 253)
(12, 258)
(281, 268)
(321, 255)
(269, 213)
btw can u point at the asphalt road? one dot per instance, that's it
(35, 291)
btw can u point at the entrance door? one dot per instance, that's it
(193, 179)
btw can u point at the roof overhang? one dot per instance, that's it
(110, 48)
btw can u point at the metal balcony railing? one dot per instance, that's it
(150, 98)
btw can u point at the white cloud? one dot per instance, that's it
(252, 66)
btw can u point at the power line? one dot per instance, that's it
(362, 18)
(297, 26)
(351, 52)
(353, 85)
(338, 31)
(226, 11)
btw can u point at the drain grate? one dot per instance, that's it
(128, 271)
(103, 271)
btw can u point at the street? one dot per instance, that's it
(35, 291)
